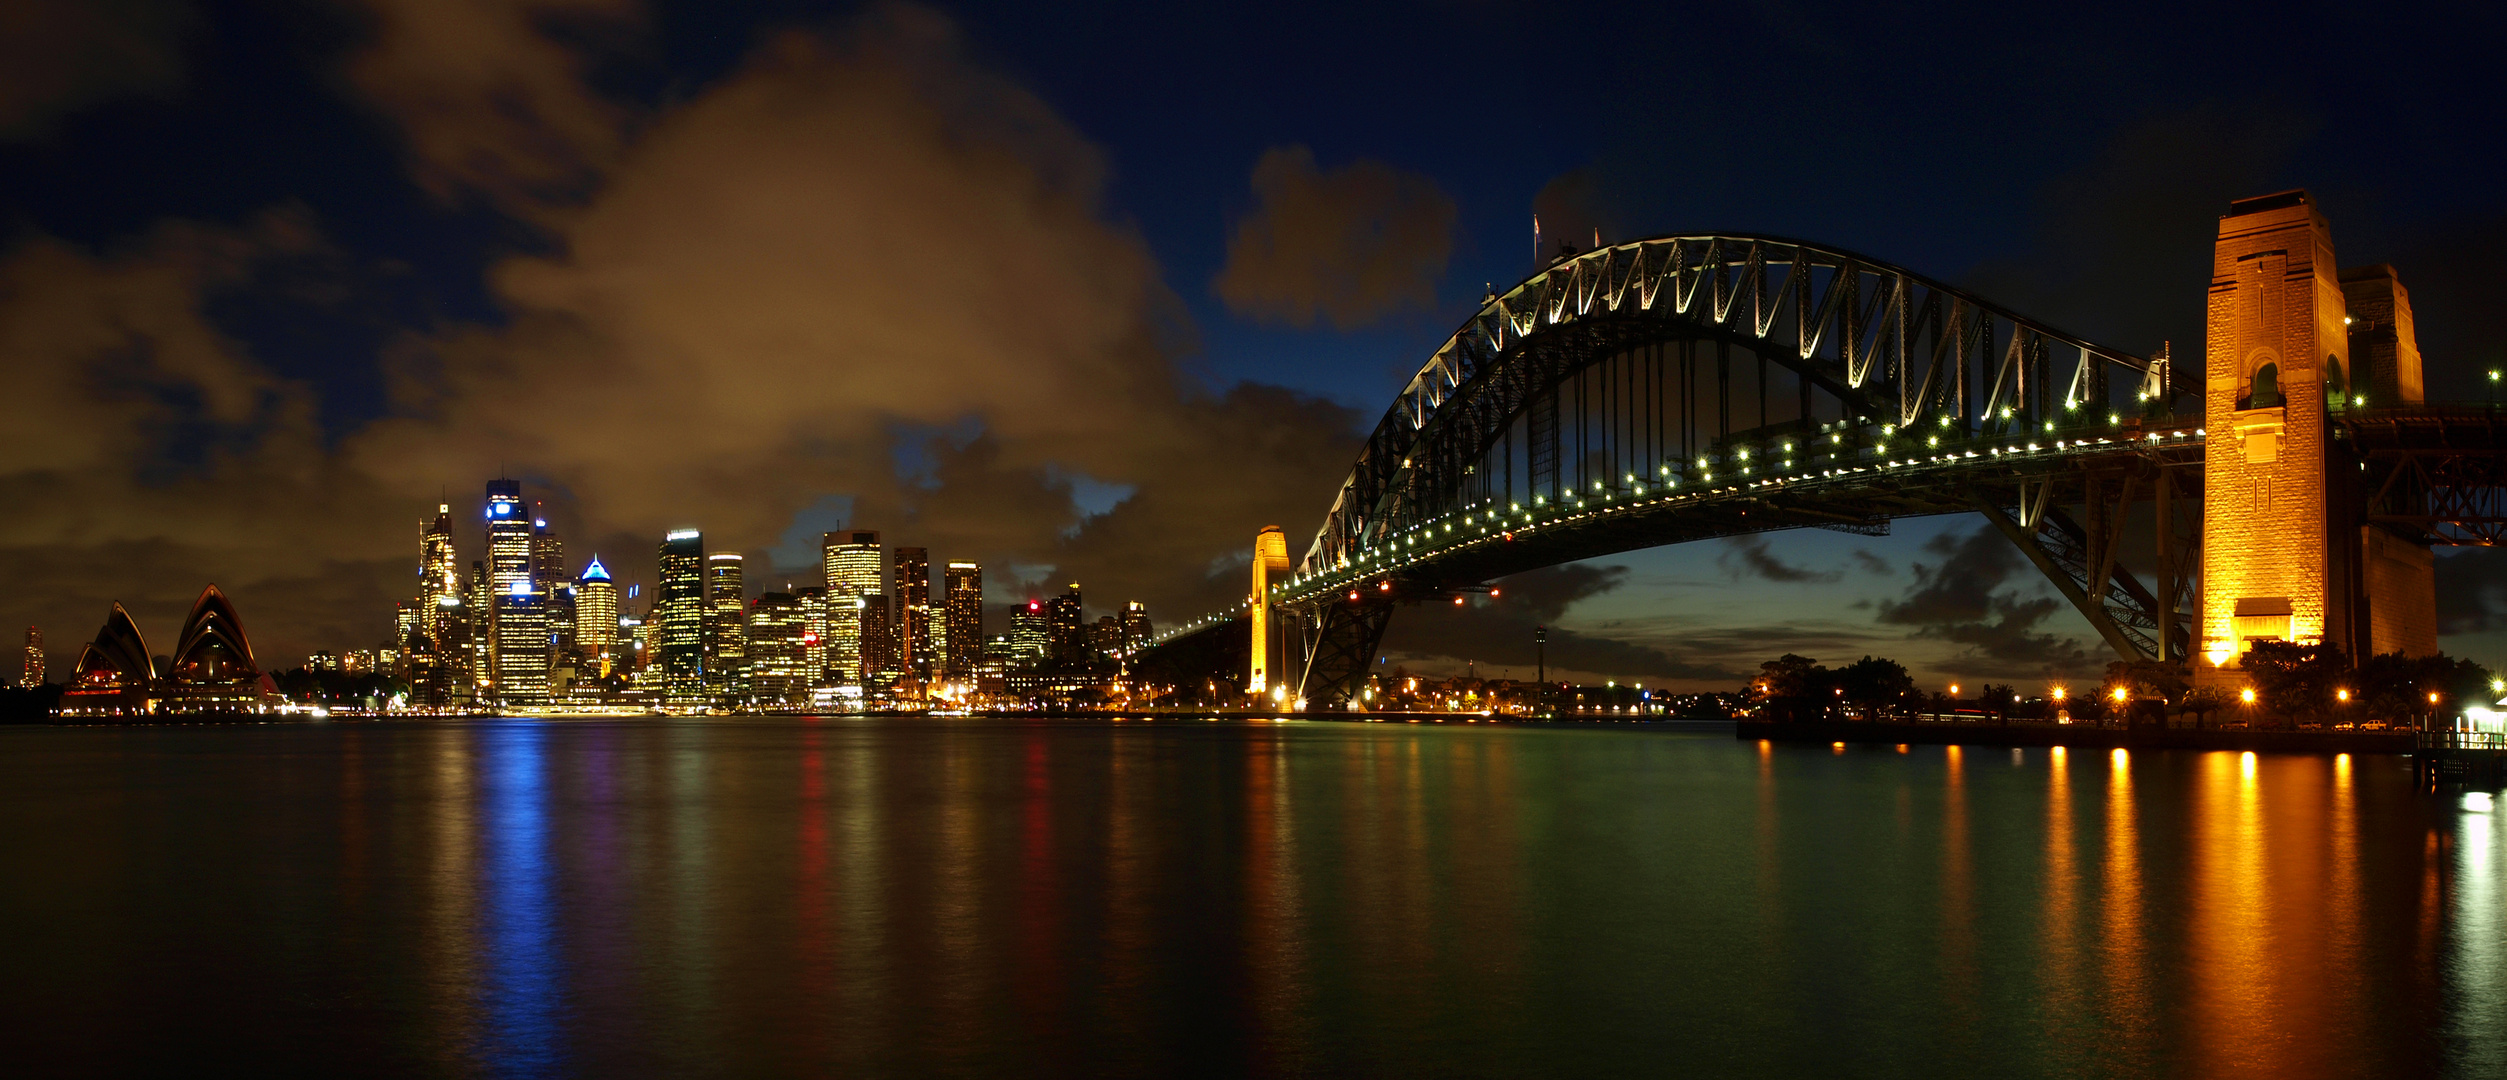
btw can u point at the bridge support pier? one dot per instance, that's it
(1345, 637)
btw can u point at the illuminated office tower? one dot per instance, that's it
(1066, 628)
(480, 614)
(813, 601)
(962, 608)
(913, 626)
(727, 627)
(522, 645)
(680, 613)
(439, 570)
(508, 536)
(778, 656)
(596, 616)
(32, 675)
(880, 653)
(854, 569)
(508, 557)
(1030, 640)
(1136, 631)
(548, 575)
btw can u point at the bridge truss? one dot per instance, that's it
(1690, 387)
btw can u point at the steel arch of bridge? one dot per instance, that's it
(1883, 345)
(1590, 410)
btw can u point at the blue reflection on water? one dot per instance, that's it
(522, 960)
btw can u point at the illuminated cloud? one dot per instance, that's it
(494, 104)
(1348, 246)
(57, 56)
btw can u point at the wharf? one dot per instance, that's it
(2039, 733)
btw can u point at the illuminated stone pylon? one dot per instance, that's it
(2286, 550)
(1270, 556)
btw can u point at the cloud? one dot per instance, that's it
(1872, 564)
(1962, 600)
(1747, 556)
(857, 241)
(58, 56)
(1348, 246)
(491, 94)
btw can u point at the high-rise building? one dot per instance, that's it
(854, 569)
(1031, 642)
(879, 641)
(963, 611)
(482, 628)
(813, 602)
(508, 560)
(914, 636)
(1066, 628)
(778, 650)
(1105, 639)
(32, 675)
(680, 612)
(439, 570)
(548, 575)
(1136, 630)
(437, 651)
(727, 629)
(522, 645)
(596, 617)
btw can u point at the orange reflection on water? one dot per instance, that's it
(1958, 900)
(2231, 932)
(2062, 952)
(2123, 939)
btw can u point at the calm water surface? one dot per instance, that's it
(761, 897)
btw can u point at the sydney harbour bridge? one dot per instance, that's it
(1682, 388)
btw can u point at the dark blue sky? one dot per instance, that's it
(2067, 160)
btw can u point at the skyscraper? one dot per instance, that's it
(479, 613)
(1066, 628)
(963, 608)
(548, 576)
(854, 569)
(727, 624)
(680, 611)
(522, 645)
(1030, 641)
(508, 564)
(879, 641)
(32, 675)
(778, 654)
(596, 616)
(438, 649)
(1136, 631)
(914, 645)
(813, 602)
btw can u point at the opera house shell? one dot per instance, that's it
(212, 670)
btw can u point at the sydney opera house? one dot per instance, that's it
(210, 672)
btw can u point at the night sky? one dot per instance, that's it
(1088, 292)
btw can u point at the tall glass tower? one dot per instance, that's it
(680, 609)
(596, 616)
(727, 623)
(914, 647)
(855, 569)
(963, 607)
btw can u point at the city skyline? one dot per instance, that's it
(1081, 407)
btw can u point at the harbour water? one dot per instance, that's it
(986, 897)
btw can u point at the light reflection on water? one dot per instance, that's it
(910, 897)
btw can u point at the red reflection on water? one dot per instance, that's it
(1039, 891)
